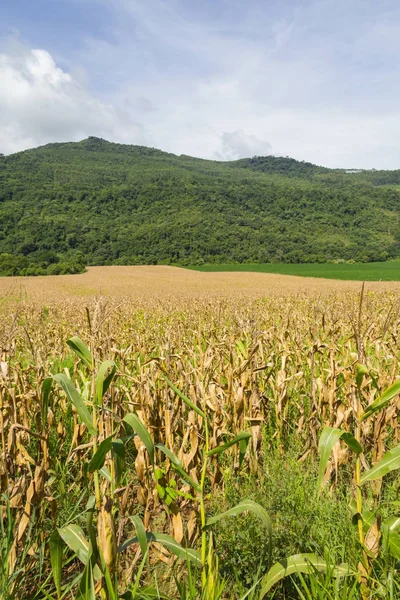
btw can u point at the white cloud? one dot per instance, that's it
(41, 103)
(317, 80)
(236, 144)
(314, 78)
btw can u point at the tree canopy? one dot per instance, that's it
(63, 206)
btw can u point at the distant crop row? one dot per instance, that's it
(377, 271)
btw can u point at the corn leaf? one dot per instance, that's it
(390, 537)
(56, 545)
(242, 436)
(299, 563)
(186, 400)
(177, 465)
(393, 523)
(140, 533)
(138, 427)
(382, 401)
(389, 462)
(81, 350)
(352, 443)
(103, 380)
(361, 370)
(76, 400)
(118, 448)
(171, 545)
(329, 437)
(86, 590)
(75, 539)
(392, 543)
(45, 393)
(99, 458)
(104, 472)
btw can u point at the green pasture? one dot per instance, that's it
(376, 271)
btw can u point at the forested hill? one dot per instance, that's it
(95, 202)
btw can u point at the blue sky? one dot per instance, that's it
(314, 79)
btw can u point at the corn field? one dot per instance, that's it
(276, 369)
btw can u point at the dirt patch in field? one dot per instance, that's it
(162, 282)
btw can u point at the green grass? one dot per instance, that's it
(377, 271)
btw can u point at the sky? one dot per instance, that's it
(317, 80)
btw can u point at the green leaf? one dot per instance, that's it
(86, 590)
(392, 543)
(169, 454)
(382, 401)
(243, 435)
(110, 584)
(76, 400)
(177, 465)
(329, 437)
(352, 443)
(299, 563)
(390, 537)
(90, 510)
(393, 523)
(134, 591)
(98, 459)
(45, 393)
(104, 472)
(140, 533)
(75, 539)
(56, 545)
(361, 370)
(138, 427)
(242, 450)
(103, 380)
(161, 491)
(368, 517)
(118, 448)
(389, 462)
(171, 545)
(81, 350)
(247, 506)
(186, 400)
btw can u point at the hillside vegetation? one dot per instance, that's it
(63, 206)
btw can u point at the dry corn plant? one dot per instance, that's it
(275, 368)
(99, 553)
(375, 535)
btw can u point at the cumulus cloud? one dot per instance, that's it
(316, 80)
(41, 103)
(236, 144)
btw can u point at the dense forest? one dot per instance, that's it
(67, 205)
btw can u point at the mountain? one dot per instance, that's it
(95, 202)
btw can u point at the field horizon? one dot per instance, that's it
(170, 282)
(375, 271)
